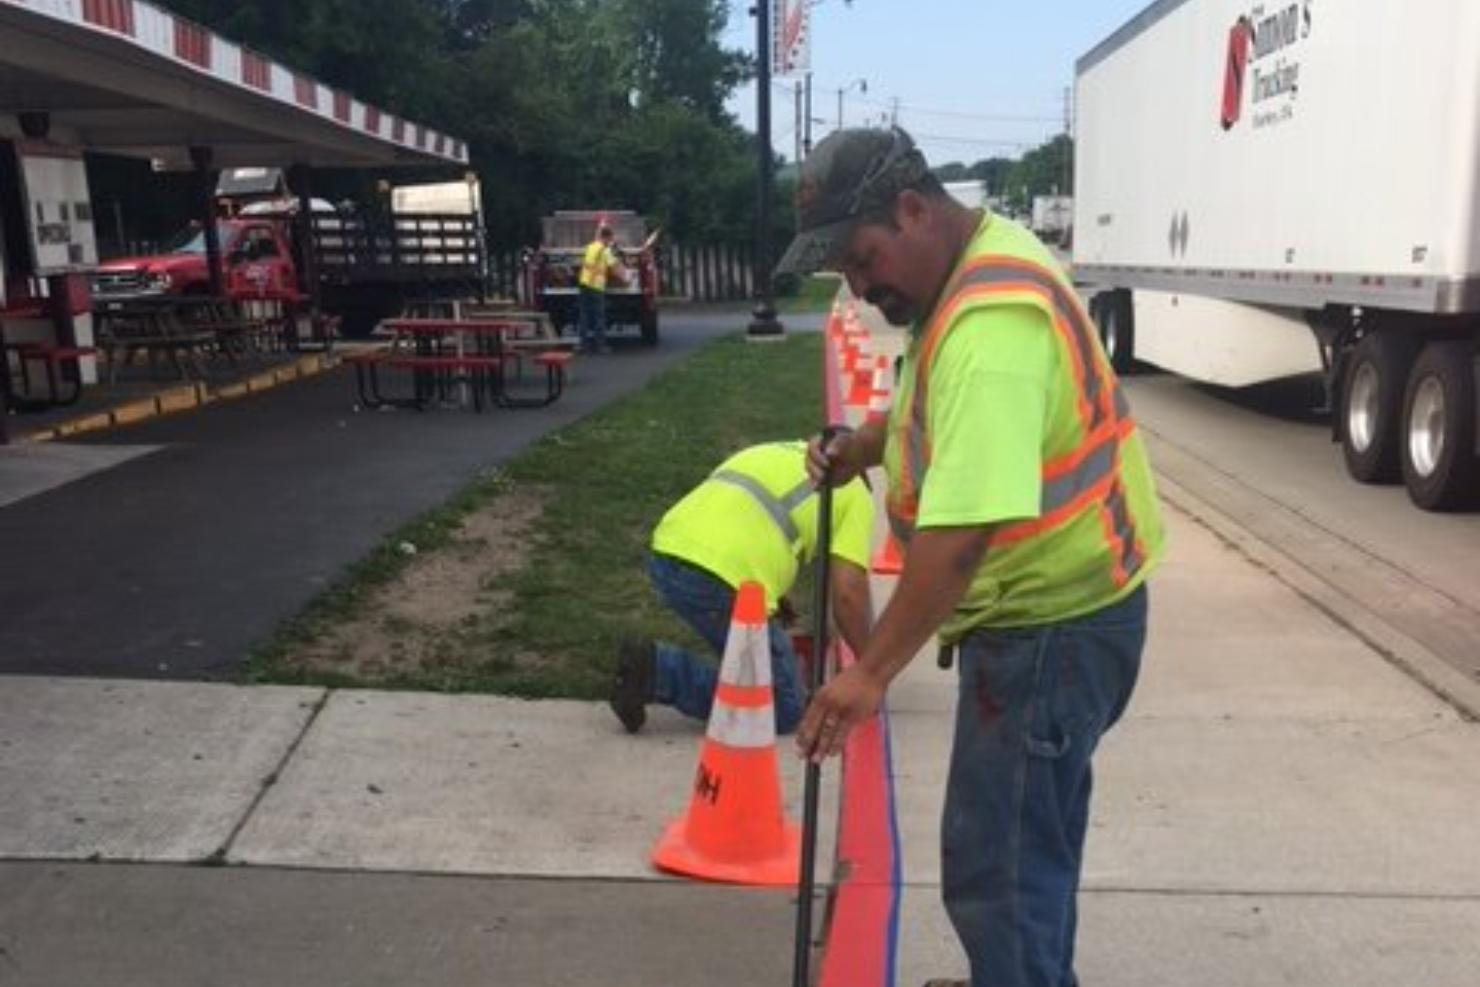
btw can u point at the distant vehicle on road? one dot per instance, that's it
(549, 278)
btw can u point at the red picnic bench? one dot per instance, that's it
(450, 359)
(63, 374)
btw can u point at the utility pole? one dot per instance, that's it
(798, 134)
(1068, 141)
(860, 84)
(807, 116)
(763, 322)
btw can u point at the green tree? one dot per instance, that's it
(563, 103)
(1045, 170)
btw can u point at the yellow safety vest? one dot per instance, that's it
(1086, 513)
(594, 264)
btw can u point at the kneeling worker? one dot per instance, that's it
(754, 518)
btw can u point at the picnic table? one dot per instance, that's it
(183, 330)
(459, 362)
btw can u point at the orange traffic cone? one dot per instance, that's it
(849, 354)
(878, 396)
(888, 560)
(835, 320)
(866, 378)
(734, 829)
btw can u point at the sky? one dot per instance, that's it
(969, 79)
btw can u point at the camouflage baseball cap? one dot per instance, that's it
(850, 175)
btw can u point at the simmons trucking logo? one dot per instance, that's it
(1263, 64)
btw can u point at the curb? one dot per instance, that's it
(184, 397)
(1392, 644)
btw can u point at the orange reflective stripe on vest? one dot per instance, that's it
(1074, 479)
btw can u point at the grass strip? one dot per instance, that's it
(548, 624)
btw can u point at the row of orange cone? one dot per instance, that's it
(866, 376)
(868, 382)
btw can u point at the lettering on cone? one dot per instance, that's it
(707, 785)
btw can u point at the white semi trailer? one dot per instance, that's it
(1266, 189)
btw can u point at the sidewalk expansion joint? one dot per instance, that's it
(221, 855)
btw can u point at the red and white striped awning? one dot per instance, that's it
(126, 77)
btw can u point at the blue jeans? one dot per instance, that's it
(705, 602)
(1032, 706)
(591, 318)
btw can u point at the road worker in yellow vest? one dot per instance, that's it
(755, 517)
(598, 261)
(1020, 491)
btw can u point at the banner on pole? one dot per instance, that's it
(791, 37)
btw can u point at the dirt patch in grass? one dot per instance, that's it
(424, 619)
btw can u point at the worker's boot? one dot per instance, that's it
(632, 686)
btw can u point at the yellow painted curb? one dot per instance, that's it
(89, 423)
(186, 397)
(177, 399)
(134, 411)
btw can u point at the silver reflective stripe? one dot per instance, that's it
(746, 728)
(1062, 489)
(1125, 530)
(779, 508)
(902, 529)
(747, 658)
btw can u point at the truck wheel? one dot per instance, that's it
(1371, 404)
(1117, 330)
(649, 325)
(1440, 466)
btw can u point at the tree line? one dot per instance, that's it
(563, 103)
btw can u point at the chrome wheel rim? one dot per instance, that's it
(1361, 412)
(1426, 427)
(1110, 331)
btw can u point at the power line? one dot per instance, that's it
(898, 107)
(958, 114)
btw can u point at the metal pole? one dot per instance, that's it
(812, 778)
(807, 116)
(799, 123)
(202, 158)
(763, 320)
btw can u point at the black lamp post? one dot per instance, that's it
(763, 320)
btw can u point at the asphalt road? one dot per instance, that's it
(206, 529)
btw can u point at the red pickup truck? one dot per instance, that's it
(368, 266)
(256, 262)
